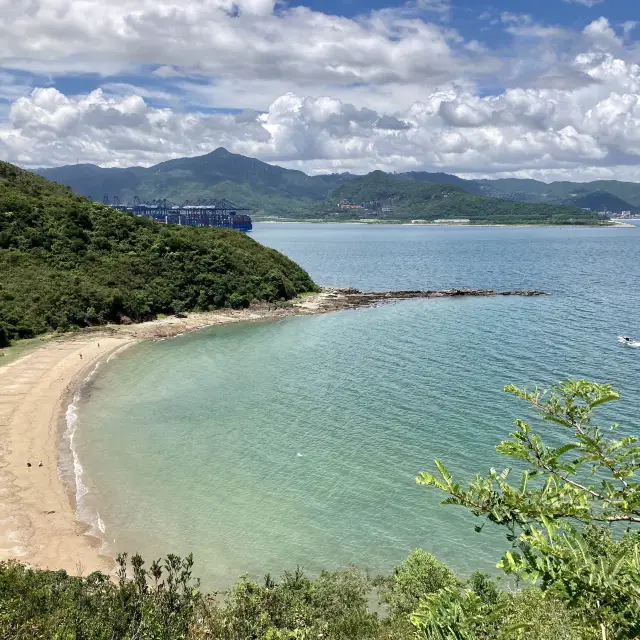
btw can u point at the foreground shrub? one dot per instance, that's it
(559, 516)
(420, 574)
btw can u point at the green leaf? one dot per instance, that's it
(445, 473)
(570, 446)
(609, 397)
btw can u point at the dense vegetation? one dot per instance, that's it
(470, 186)
(415, 199)
(163, 602)
(66, 262)
(578, 577)
(269, 190)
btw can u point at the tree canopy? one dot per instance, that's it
(572, 517)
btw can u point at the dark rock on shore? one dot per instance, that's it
(355, 294)
(327, 300)
(350, 298)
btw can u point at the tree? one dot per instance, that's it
(421, 573)
(566, 515)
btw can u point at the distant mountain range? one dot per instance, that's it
(603, 201)
(600, 195)
(268, 189)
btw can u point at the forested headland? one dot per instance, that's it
(67, 262)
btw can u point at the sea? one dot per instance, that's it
(262, 447)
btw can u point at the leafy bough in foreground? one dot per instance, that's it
(561, 514)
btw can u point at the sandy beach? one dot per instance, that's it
(38, 522)
(37, 516)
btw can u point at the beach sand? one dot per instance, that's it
(37, 514)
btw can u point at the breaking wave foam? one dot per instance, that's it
(70, 469)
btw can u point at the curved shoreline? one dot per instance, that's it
(38, 519)
(38, 523)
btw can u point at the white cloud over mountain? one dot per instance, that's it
(389, 90)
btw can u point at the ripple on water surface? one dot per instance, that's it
(297, 442)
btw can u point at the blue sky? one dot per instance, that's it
(556, 11)
(467, 11)
(546, 89)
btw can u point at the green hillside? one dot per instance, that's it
(507, 186)
(413, 199)
(603, 201)
(470, 186)
(378, 185)
(222, 166)
(626, 193)
(66, 262)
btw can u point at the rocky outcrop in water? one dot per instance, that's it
(350, 298)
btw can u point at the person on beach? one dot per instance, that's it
(28, 464)
(80, 356)
(40, 463)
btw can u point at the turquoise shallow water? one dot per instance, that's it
(260, 447)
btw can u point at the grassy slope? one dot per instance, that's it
(66, 262)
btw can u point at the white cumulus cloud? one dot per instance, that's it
(236, 38)
(602, 34)
(518, 131)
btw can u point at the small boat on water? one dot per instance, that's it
(629, 341)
